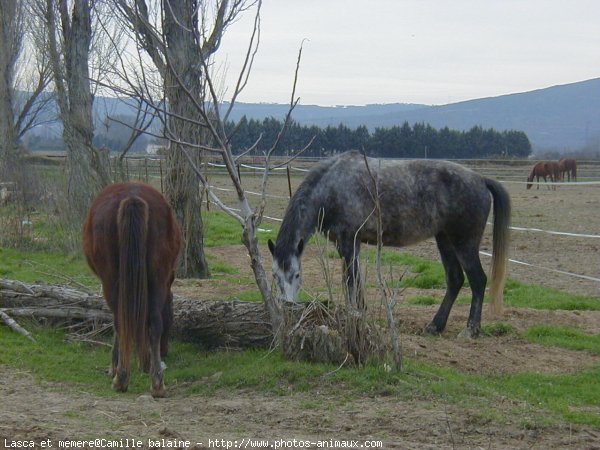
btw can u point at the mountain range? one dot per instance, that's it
(564, 117)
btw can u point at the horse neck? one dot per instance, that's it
(300, 222)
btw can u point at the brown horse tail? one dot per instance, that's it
(500, 243)
(132, 311)
(574, 171)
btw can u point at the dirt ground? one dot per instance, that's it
(35, 410)
(38, 412)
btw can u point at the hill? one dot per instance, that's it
(564, 118)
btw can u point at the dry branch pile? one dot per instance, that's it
(230, 324)
(311, 333)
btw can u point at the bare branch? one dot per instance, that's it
(10, 323)
(389, 296)
(248, 62)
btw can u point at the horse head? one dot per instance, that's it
(530, 178)
(286, 270)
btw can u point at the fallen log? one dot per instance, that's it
(311, 333)
(232, 324)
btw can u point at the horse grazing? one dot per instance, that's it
(553, 170)
(418, 199)
(131, 241)
(543, 169)
(568, 166)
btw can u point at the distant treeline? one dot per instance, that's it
(404, 141)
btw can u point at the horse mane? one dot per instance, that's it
(298, 209)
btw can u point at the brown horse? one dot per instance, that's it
(568, 166)
(553, 169)
(131, 241)
(543, 169)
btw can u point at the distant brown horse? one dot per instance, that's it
(553, 169)
(543, 169)
(568, 166)
(131, 241)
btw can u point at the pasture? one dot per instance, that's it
(532, 380)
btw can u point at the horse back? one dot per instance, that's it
(418, 199)
(100, 230)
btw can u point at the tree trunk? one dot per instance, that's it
(87, 168)
(184, 72)
(8, 54)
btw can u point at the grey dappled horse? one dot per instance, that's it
(418, 199)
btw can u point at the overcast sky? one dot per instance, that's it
(416, 51)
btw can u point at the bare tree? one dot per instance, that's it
(192, 107)
(180, 38)
(24, 75)
(10, 46)
(69, 39)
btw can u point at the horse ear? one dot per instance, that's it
(271, 246)
(300, 247)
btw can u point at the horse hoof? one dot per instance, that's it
(432, 329)
(467, 333)
(161, 392)
(119, 387)
(120, 383)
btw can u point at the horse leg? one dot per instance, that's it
(167, 321)
(119, 371)
(546, 182)
(120, 374)
(111, 296)
(155, 329)
(469, 260)
(454, 282)
(112, 371)
(349, 250)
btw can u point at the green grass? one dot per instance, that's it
(425, 274)
(538, 297)
(421, 273)
(497, 329)
(251, 295)
(191, 371)
(570, 397)
(220, 269)
(565, 337)
(222, 229)
(56, 268)
(423, 300)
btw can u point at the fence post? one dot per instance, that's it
(207, 195)
(161, 176)
(287, 169)
(146, 167)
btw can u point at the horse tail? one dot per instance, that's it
(502, 213)
(574, 171)
(132, 311)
